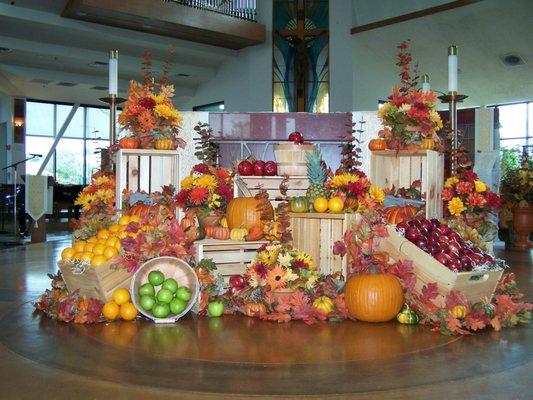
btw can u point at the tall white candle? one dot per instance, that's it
(425, 83)
(452, 68)
(113, 72)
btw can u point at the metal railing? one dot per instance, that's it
(242, 9)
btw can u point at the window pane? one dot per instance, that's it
(97, 123)
(39, 145)
(510, 143)
(93, 155)
(530, 118)
(39, 119)
(69, 161)
(75, 128)
(513, 121)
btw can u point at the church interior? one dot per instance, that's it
(235, 199)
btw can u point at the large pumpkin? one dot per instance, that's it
(397, 214)
(373, 297)
(243, 212)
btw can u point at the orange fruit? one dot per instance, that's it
(128, 311)
(79, 246)
(320, 205)
(124, 220)
(99, 249)
(77, 256)
(118, 246)
(68, 253)
(110, 252)
(89, 247)
(111, 241)
(121, 296)
(135, 218)
(92, 239)
(86, 256)
(122, 235)
(103, 234)
(101, 241)
(110, 310)
(336, 204)
(114, 228)
(98, 260)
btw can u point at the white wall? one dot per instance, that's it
(6, 116)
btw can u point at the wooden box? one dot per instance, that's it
(389, 167)
(97, 282)
(146, 169)
(476, 286)
(251, 185)
(231, 256)
(315, 234)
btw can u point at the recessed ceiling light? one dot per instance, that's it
(5, 50)
(98, 64)
(183, 75)
(512, 60)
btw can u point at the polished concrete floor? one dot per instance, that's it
(238, 357)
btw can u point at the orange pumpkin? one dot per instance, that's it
(254, 309)
(218, 232)
(164, 144)
(377, 144)
(151, 211)
(397, 214)
(373, 297)
(128, 142)
(209, 230)
(242, 212)
(255, 233)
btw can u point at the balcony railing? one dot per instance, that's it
(242, 9)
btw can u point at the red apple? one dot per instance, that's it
(271, 168)
(441, 257)
(245, 168)
(412, 234)
(296, 137)
(259, 168)
(237, 282)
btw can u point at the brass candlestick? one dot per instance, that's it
(452, 98)
(113, 101)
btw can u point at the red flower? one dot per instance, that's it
(493, 200)
(261, 270)
(464, 188)
(225, 191)
(147, 102)
(476, 200)
(182, 197)
(222, 173)
(470, 175)
(198, 195)
(201, 168)
(356, 189)
(447, 194)
(418, 112)
(299, 264)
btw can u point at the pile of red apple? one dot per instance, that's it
(444, 244)
(257, 168)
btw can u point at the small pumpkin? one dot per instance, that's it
(459, 311)
(254, 309)
(186, 222)
(219, 232)
(238, 234)
(255, 233)
(128, 142)
(428, 144)
(397, 214)
(407, 316)
(164, 144)
(373, 297)
(324, 304)
(243, 212)
(485, 306)
(299, 204)
(377, 144)
(209, 230)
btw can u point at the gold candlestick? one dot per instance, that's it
(452, 98)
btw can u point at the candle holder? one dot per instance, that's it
(452, 98)
(113, 101)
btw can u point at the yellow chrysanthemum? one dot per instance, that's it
(480, 186)
(187, 182)
(215, 201)
(377, 194)
(158, 98)
(100, 181)
(299, 255)
(206, 181)
(456, 206)
(452, 180)
(435, 117)
(343, 180)
(383, 110)
(269, 255)
(164, 111)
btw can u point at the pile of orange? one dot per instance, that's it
(120, 306)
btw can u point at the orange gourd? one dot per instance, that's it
(255, 233)
(242, 212)
(254, 309)
(428, 144)
(373, 297)
(397, 214)
(377, 144)
(128, 142)
(164, 144)
(152, 211)
(209, 230)
(186, 222)
(218, 232)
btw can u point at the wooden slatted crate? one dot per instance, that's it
(476, 286)
(146, 169)
(297, 186)
(230, 256)
(97, 282)
(315, 234)
(389, 167)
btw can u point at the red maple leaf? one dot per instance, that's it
(454, 298)
(454, 325)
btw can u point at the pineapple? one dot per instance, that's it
(317, 176)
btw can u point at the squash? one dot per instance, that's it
(377, 144)
(407, 316)
(254, 309)
(128, 142)
(299, 204)
(397, 214)
(242, 212)
(218, 232)
(238, 234)
(373, 297)
(324, 304)
(255, 233)
(209, 230)
(223, 222)
(164, 144)
(460, 311)
(428, 144)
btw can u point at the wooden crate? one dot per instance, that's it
(147, 170)
(231, 256)
(97, 282)
(297, 186)
(476, 286)
(315, 234)
(388, 168)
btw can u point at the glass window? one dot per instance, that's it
(97, 123)
(69, 161)
(39, 145)
(39, 119)
(513, 121)
(75, 128)
(92, 155)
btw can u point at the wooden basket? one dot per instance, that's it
(476, 286)
(291, 158)
(171, 267)
(296, 185)
(96, 282)
(315, 234)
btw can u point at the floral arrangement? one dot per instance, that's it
(99, 196)
(517, 182)
(412, 192)
(468, 198)
(356, 190)
(61, 305)
(409, 116)
(207, 189)
(149, 113)
(211, 283)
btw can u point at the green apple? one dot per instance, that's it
(183, 293)
(170, 284)
(164, 296)
(156, 278)
(215, 308)
(146, 289)
(161, 310)
(147, 302)
(177, 306)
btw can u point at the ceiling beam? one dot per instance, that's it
(414, 15)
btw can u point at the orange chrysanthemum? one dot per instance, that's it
(464, 188)
(476, 200)
(276, 278)
(198, 195)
